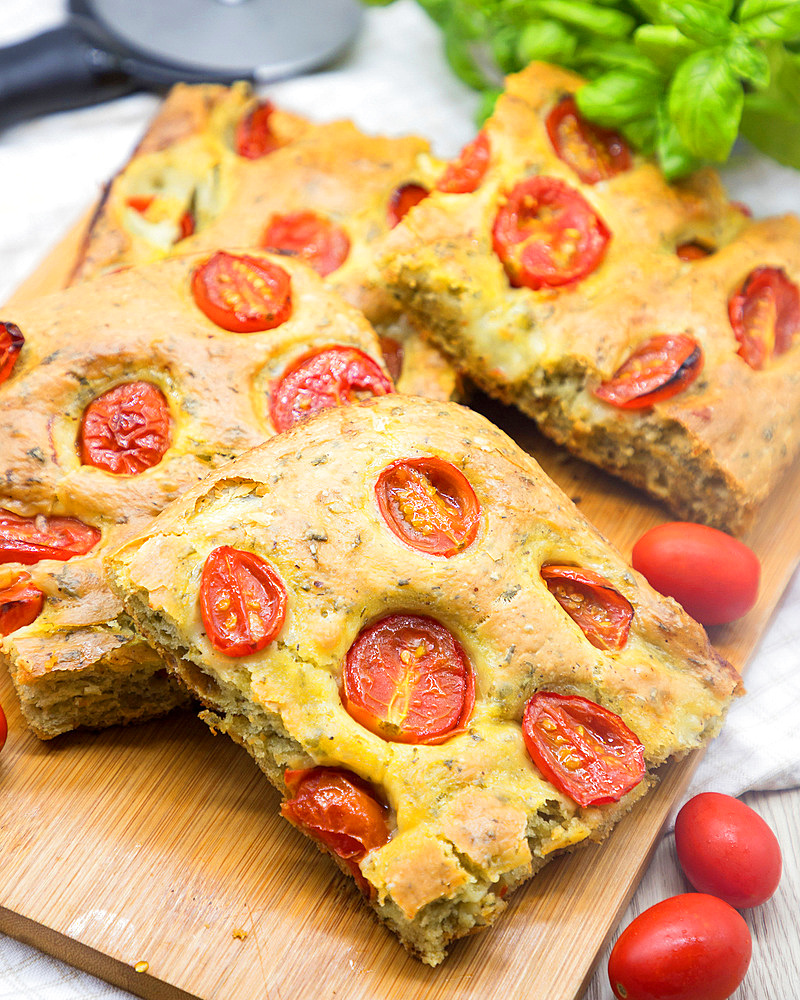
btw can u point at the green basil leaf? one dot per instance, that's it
(459, 54)
(590, 17)
(663, 45)
(705, 103)
(547, 41)
(641, 134)
(700, 20)
(486, 106)
(651, 10)
(771, 19)
(601, 56)
(618, 97)
(748, 61)
(773, 126)
(673, 157)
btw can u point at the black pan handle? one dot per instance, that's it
(57, 70)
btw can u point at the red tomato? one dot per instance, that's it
(3, 728)
(687, 947)
(693, 250)
(714, 576)
(661, 368)
(126, 430)
(546, 234)
(242, 601)
(726, 849)
(392, 351)
(20, 604)
(408, 680)
(242, 294)
(594, 153)
(765, 315)
(465, 174)
(583, 749)
(429, 504)
(311, 238)
(11, 341)
(602, 613)
(254, 136)
(29, 539)
(333, 377)
(403, 199)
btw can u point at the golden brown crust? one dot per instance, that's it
(714, 451)
(472, 814)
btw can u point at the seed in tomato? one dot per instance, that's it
(126, 430)
(765, 315)
(601, 612)
(11, 341)
(465, 174)
(661, 368)
(408, 680)
(594, 153)
(30, 539)
(309, 237)
(20, 604)
(241, 293)
(403, 199)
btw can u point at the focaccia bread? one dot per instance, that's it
(371, 603)
(115, 395)
(649, 328)
(218, 168)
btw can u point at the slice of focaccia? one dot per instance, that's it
(650, 328)
(445, 669)
(218, 168)
(115, 395)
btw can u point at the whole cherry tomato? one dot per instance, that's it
(333, 377)
(765, 315)
(126, 430)
(407, 679)
(20, 604)
(466, 173)
(714, 576)
(241, 293)
(602, 613)
(583, 749)
(661, 368)
(693, 250)
(726, 849)
(254, 137)
(242, 601)
(594, 153)
(11, 341)
(30, 539)
(309, 237)
(429, 504)
(403, 199)
(3, 728)
(687, 947)
(546, 234)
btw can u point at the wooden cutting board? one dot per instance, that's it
(154, 856)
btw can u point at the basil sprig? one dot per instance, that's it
(681, 79)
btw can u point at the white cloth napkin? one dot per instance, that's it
(394, 81)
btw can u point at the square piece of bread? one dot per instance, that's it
(371, 602)
(651, 328)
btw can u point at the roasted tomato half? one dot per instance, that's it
(309, 237)
(594, 153)
(583, 749)
(392, 351)
(693, 250)
(254, 137)
(601, 612)
(126, 430)
(403, 199)
(241, 293)
(20, 604)
(466, 173)
(30, 539)
(407, 679)
(242, 601)
(11, 341)
(661, 368)
(429, 504)
(765, 315)
(333, 377)
(546, 234)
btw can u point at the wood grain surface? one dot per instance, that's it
(153, 856)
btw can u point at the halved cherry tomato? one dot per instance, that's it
(254, 136)
(403, 199)
(465, 174)
(29, 539)
(11, 341)
(126, 430)
(594, 153)
(242, 601)
(3, 728)
(661, 368)
(20, 604)
(333, 377)
(429, 504)
(407, 679)
(242, 294)
(765, 315)
(714, 576)
(546, 234)
(309, 237)
(726, 849)
(583, 749)
(602, 613)
(687, 947)
(693, 250)
(392, 351)
(141, 202)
